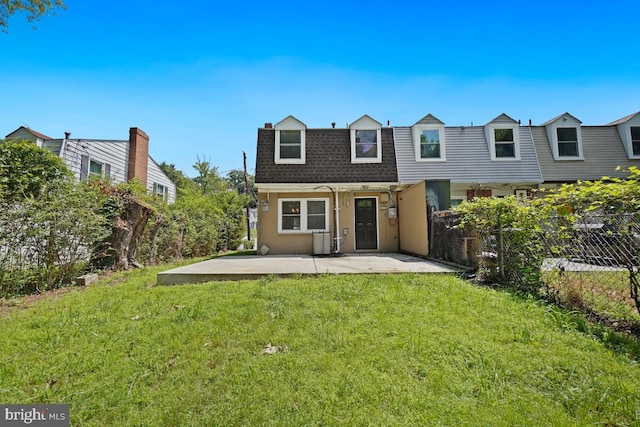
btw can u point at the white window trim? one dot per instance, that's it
(492, 141)
(165, 191)
(303, 214)
(378, 158)
(555, 143)
(417, 131)
(105, 169)
(630, 143)
(302, 159)
(94, 174)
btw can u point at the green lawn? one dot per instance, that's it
(353, 350)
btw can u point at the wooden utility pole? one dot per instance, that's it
(246, 191)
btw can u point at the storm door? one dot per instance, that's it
(366, 224)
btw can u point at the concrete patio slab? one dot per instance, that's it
(255, 267)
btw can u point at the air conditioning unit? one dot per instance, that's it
(321, 243)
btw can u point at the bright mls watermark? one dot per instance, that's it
(55, 415)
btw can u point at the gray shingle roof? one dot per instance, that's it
(328, 159)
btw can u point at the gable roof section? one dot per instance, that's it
(328, 160)
(429, 119)
(502, 118)
(290, 122)
(624, 119)
(365, 121)
(31, 131)
(556, 118)
(468, 160)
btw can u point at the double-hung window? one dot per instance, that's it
(635, 140)
(366, 144)
(567, 142)
(290, 144)
(160, 190)
(95, 169)
(91, 169)
(366, 140)
(504, 143)
(429, 142)
(290, 141)
(303, 215)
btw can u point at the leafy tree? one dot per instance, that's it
(509, 228)
(34, 9)
(207, 180)
(235, 181)
(26, 170)
(608, 194)
(47, 220)
(178, 177)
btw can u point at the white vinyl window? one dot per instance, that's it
(303, 215)
(290, 146)
(568, 145)
(290, 140)
(635, 140)
(429, 142)
(504, 142)
(91, 169)
(160, 190)
(505, 146)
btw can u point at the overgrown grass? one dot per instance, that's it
(603, 292)
(352, 350)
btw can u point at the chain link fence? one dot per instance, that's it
(589, 262)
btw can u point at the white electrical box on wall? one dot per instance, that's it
(393, 212)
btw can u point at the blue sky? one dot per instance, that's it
(200, 77)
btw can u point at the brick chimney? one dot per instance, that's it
(138, 155)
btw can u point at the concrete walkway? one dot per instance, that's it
(254, 267)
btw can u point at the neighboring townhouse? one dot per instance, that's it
(373, 188)
(462, 162)
(569, 151)
(30, 135)
(326, 190)
(115, 160)
(440, 166)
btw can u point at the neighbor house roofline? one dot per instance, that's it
(32, 132)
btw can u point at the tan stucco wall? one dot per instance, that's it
(302, 243)
(412, 211)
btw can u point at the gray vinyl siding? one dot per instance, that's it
(113, 153)
(467, 159)
(156, 176)
(602, 150)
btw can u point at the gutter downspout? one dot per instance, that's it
(336, 221)
(336, 218)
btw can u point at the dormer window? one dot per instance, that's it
(366, 144)
(567, 142)
(290, 144)
(503, 138)
(629, 130)
(504, 143)
(635, 140)
(565, 137)
(428, 139)
(290, 141)
(366, 141)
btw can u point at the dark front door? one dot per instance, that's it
(366, 225)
